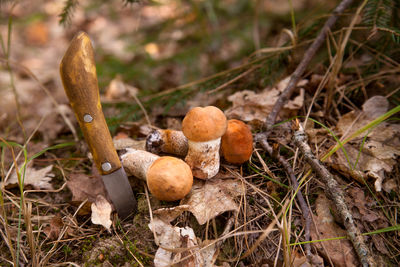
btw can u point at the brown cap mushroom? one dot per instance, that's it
(167, 178)
(237, 142)
(203, 127)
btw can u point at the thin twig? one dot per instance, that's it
(295, 77)
(303, 205)
(131, 93)
(334, 191)
(222, 86)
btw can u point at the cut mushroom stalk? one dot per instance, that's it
(203, 127)
(167, 178)
(167, 141)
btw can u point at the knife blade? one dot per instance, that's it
(78, 74)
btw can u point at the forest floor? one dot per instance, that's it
(155, 61)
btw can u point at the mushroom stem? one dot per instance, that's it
(137, 162)
(167, 141)
(203, 158)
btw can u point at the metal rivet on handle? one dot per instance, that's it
(87, 118)
(106, 166)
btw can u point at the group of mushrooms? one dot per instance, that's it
(205, 134)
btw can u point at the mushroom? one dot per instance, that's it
(167, 178)
(237, 142)
(203, 127)
(167, 141)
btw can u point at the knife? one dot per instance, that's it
(78, 74)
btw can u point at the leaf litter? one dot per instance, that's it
(37, 178)
(248, 105)
(374, 154)
(101, 212)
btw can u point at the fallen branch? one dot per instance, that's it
(336, 194)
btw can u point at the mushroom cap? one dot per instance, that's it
(204, 124)
(237, 142)
(169, 178)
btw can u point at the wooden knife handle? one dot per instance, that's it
(78, 74)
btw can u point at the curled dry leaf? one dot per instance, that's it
(339, 251)
(37, 178)
(170, 214)
(381, 148)
(209, 199)
(179, 246)
(250, 106)
(101, 212)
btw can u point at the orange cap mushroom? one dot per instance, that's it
(237, 142)
(167, 178)
(204, 124)
(203, 127)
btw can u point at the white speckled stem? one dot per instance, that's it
(137, 162)
(203, 158)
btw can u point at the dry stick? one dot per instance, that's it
(334, 191)
(295, 77)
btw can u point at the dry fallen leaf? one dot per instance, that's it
(170, 214)
(211, 198)
(53, 230)
(381, 148)
(302, 261)
(249, 106)
(38, 179)
(371, 219)
(391, 185)
(118, 90)
(339, 251)
(361, 208)
(179, 246)
(101, 212)
(84, 187)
